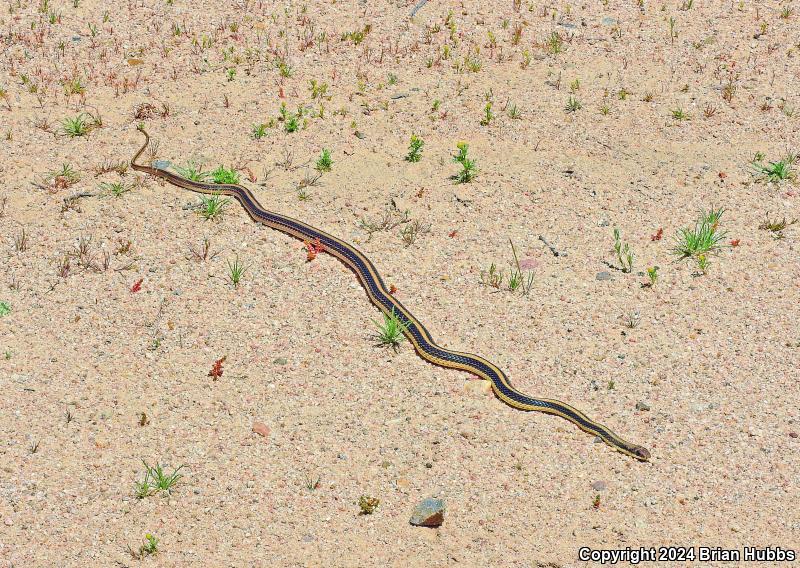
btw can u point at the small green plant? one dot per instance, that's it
(150, 545)
(468, 166)
(492, 277)
(231, 74)
(652, 276)
(324, 162)
(488, 115)
(236, 270)
(624, 253)
(415, 149)
(368, 504)
(76, 126)
(193, 171)
(390, 333)
(117, 188)
(225, 175)
(518, 280)
(776, 227)
(157, 480)
(554, 44)
(259, 131)
(702, 239)
(679, 114)
(5, 309)
(573, 105)
(774, 171)
(212, 206)
(312, 483)
(318, 90)
(673, 33)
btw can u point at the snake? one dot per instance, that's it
(385, 301)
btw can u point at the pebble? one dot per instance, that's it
(599, 485)
(603, 222)
(281, 361)
(162, 164)
(793, 434)
(609, 21)
(603, 275)
(9, 522)
(261, 429)
(428, 513)
(478, 387)
(643, 406)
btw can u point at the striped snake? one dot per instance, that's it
(382, 298)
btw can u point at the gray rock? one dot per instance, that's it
(603, 222)
(609, 21)
(643, 406)
(280, 361)
(162, 164)
(428, 513)
(603, 275)
(599, 485)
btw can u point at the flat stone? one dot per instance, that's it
(603, 275)
(643, 406)
(478, 387)
(599, 485)
(428, 513)
(261, 429)
(609, 21)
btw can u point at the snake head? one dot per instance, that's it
(640, 453)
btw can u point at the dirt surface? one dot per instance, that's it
(111, 325)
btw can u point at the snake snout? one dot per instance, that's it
(641, 453)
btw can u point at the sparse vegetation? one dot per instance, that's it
(781, 170)
(156, 480)
(468, 166)
(415, 149)
(212, 206)
(701, 240)
(390, 332)
(623, 252)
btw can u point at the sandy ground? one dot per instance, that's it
(714, 356)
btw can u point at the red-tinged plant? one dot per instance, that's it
(216, 369)
(313, 248)
(658, 235)
(596, 502)
(137, 286)
(453, 233)
(735, 242)
(392, 288)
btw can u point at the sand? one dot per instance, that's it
(670, 121)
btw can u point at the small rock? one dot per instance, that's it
(261, 429)
(428, 513)
(280, 361)
(403, 483)
(643, 406)
(603, 275)
(603, 222)
(599, 485)
(793, 434)
(478, 387)
(162, 164)
(609, 21)
(360, 135)
(308, 538)
(9, 522)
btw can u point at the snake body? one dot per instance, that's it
(382, 298)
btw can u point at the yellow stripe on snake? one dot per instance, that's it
(380, 296)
